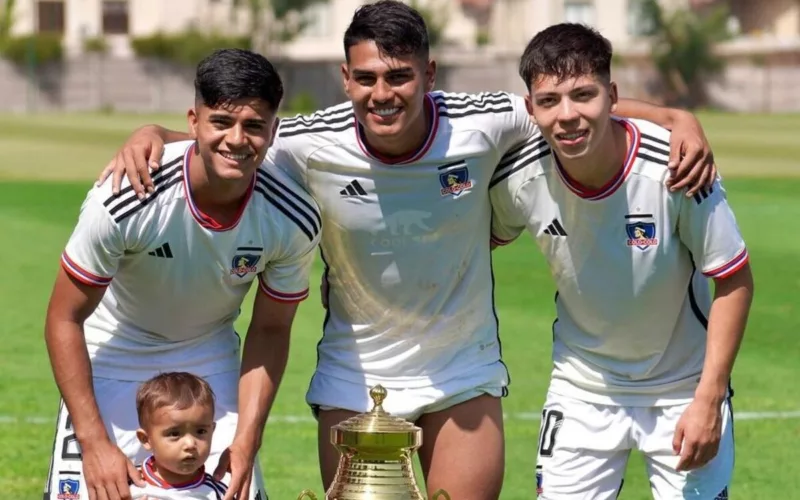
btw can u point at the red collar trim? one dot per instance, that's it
(611, 186)
(203, 219)
(150, 476)
(433, 127)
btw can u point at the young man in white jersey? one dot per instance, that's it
(176, 411)
(156, 284)
(642, 353)
(401, 175)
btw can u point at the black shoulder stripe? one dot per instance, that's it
(165, 169)
(653, 148)
(308, 220)
(516, 149)
(655, 139)
(329, 113)
(519, 166)
(322, 120)
(519, 157)
(482, 100)
(473, 98)
(317, 129)
(262, 188)
(166, 177)
(159, 179)
(143, 203)
(474, 105)
(461, 114)
(485, 104)
(268, 178)
(659, 161)
(528, 146)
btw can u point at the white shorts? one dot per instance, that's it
(584, 448)
(117, 402)
(330, 393)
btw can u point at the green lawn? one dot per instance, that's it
(47, 163)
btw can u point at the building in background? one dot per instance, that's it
(500, 25)
(116, 21)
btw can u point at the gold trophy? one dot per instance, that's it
(375, 463)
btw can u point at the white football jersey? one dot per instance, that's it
(630, 262)
(203, 487)
(176, 278)
(406, 240)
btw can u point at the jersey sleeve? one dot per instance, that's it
(286, 277)
(289, 152)
(518, 167)
(508, 218)
(516, 127)
(96, 246)
(709, 230)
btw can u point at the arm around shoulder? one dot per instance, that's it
(141, 152)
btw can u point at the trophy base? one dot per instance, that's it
(374, 480)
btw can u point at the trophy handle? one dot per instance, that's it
(440, 494)
(308, 494)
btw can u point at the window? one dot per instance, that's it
(318, 20)
(639, 24)
(577, 11)
(115, 17)
(50, 17)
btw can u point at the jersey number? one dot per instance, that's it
(551, 423)
(70, 438)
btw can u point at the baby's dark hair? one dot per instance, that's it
(174, 389)
(396, 28)
(227, 75)
(565, 51)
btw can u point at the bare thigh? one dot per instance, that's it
(328, 454)
(463, 450)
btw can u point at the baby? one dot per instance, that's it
(176, 422)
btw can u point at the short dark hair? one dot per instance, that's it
(179, 389)
(227, 75)
(396, 28)
(566, 50)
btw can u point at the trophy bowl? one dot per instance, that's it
(375, 462)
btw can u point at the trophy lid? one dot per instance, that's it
(377, 419)
(377, 430)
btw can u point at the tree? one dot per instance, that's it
(275, 21)
(435, 14)
(682, 48)
(6, 20)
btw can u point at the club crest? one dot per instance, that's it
(243, 264)
(641, 235)
(455, 181)
(69, 489)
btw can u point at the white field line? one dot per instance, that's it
(308, 419)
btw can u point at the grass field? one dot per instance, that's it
(48, 162)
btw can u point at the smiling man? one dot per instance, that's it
(155, 285)
(401, 173)
(642, 354)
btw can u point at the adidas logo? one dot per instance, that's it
(555, 229)
(353, 189)
(162, 251)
